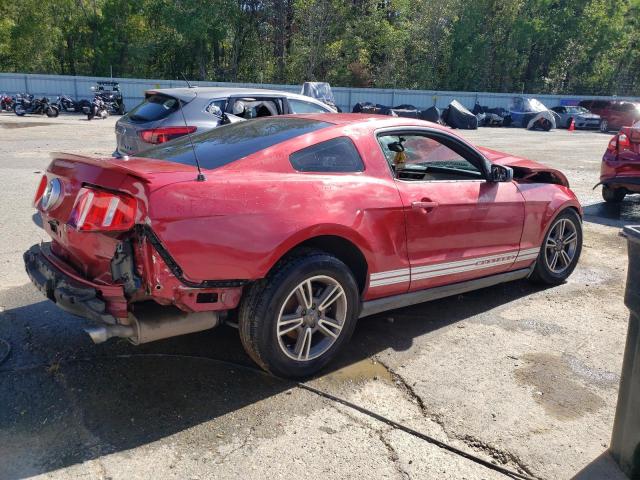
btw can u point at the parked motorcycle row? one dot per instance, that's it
(107, 100)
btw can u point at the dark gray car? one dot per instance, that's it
(173, 112)
(582, 117)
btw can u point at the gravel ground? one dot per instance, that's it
(521, 376)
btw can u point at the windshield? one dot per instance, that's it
(229, 143)
(577, 110)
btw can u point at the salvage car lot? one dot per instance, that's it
(523, 376)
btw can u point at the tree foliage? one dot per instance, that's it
(555, 46)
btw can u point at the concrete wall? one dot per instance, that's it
(133, 91)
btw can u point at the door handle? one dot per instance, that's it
(427, 205)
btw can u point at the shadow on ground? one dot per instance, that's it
(603, 467)
(614, 214)
(65, 400)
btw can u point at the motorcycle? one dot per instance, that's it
(6, 102)
(98, 108)
(68, 104)
(39, 106)
(111, 95)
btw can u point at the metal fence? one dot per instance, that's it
(346, 97)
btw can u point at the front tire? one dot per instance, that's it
(613, 195)
(19, 110)
(52, 112)
(296, 320)
(560, 249)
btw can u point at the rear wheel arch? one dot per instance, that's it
(338, 246)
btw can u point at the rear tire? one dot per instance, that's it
(283, 325)
(613, 195)
(560, 249)
(545, 124)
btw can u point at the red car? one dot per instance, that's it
(297, 227)
(620, 168)
(614, 114)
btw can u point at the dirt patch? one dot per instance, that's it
(357, 372)
(555, 388)
(24, 124)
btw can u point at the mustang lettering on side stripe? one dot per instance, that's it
(404, 275)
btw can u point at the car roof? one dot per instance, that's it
(185, 93)
(372, 121)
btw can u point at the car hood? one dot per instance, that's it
(525, 169)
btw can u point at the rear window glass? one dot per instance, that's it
(335, 155)
(226, 144)
(155, 107)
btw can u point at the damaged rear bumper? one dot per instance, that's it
(632, 184)
(107, 304)
(74, 294)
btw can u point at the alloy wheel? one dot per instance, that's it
(561, 245)
(311, 318)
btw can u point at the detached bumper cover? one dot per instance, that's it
(72, 293)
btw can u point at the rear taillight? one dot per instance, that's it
(162, 135)
(619, 143)
(101, 211)
(40, 191)
(623, 143)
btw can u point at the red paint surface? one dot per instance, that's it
(621, 167)
(248, 214)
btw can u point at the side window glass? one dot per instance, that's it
(418, 157)
(216, 107)
(300, 106)
(333, 156)
(248, 108)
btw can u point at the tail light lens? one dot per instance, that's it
(623, 143)
(40, 190)
(162, 135)
(101, 211)
(619, 143)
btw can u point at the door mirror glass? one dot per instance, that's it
(500, 173)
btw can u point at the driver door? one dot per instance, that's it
(459, 225)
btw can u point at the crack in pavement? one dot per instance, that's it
(505, 458)
(393, 454)
(243, 444)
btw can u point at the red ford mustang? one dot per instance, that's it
(298, 227)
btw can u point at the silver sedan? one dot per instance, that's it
(582, 117)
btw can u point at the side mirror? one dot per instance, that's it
(500, 173)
